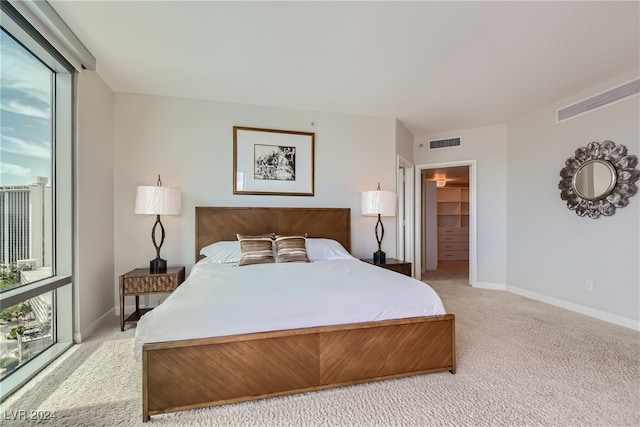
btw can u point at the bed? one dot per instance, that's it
(182, 374)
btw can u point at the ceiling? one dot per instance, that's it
(435, 66)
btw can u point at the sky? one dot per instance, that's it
(25, 114)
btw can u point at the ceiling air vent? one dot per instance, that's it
(598, 101)
(444, 143)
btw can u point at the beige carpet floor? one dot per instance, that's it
(520, 363)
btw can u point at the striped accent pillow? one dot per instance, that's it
(256, 249)
(291, 249)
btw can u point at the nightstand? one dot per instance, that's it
(140, 282)
(393, 264)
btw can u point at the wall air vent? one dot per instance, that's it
(600, 100)
(444, 143)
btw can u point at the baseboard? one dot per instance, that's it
(492, 286)
(577, 308)
(78, 335)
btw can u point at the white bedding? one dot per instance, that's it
(224, 299)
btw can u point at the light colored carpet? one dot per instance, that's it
(520, 363)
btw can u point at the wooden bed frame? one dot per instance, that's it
(190, 374)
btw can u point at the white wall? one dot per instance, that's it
(551, 250)
(486, 145)
(94, 163)
(404, 142)
(190, 143)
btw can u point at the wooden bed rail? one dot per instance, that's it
(192, 374)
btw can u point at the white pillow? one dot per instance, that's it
(319, 249)
(222, 252)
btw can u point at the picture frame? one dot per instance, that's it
(273, 162)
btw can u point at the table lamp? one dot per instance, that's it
(158, 200)
(380, 203)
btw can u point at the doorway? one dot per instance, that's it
(445, 210)
(404, 190)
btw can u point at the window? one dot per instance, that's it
(36, 227)
(25, 177)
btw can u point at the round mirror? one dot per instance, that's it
(594, 179)
(599, 179)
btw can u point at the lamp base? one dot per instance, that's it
(158, 265)
(379, 257)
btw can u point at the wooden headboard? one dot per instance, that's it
(214, 224)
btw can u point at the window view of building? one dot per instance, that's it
(27, 325)
(25, 220)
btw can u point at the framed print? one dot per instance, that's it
(273, 162)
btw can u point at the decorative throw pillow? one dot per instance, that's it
(291, 249)
(256, 249)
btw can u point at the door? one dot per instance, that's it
(405, 218)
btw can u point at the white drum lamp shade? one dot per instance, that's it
(379, 203)
(154, 200)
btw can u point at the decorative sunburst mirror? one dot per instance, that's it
(598, 179)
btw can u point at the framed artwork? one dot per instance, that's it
(273, 162)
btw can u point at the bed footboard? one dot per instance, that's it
(206, 372)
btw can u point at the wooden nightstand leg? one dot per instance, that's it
(137, 303)
(121, 303)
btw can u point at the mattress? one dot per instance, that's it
(225, 299)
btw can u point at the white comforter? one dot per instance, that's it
(224, 299)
